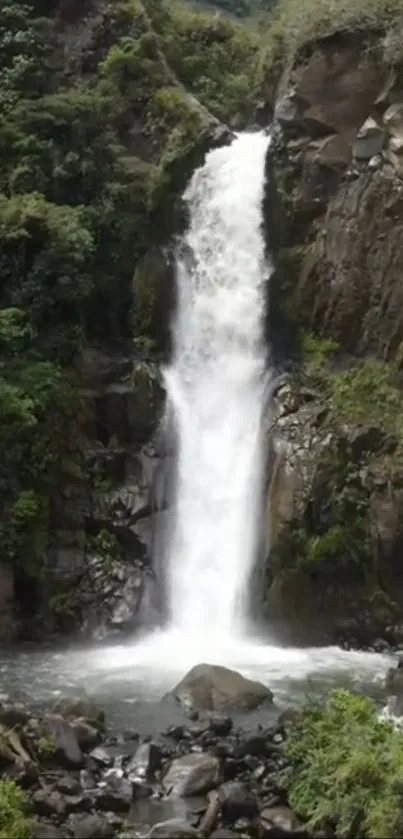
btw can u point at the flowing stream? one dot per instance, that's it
(216, 393)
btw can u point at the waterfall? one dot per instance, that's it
(215, 386)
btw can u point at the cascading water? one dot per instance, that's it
(215, 388)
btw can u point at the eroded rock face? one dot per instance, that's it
(215, 688)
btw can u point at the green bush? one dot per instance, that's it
(347, 768)
(14, 823)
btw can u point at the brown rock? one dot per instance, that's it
(210, 687)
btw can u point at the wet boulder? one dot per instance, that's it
(277, 822)
(91, 826)
(237, 801)
(209, 687)
(63, 739)
(178, 828)
(71, 708)
(192, 774)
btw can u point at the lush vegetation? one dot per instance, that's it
(347, 768)
(82, 201)
(14, 823)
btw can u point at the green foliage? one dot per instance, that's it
(347, 768)
(295, 23)
(368, 393)
(14, 823)
(46, 748)
(317, 351)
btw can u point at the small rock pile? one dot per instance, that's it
(206, 777)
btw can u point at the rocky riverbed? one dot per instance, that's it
(206, 777)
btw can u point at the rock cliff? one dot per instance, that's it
(335, 499)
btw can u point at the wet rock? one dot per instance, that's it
(74, 707)
(13, 713)
(87, 735)
(370, 140)
(48, 802)
(221, 724)
(87, 780)
(64, 739)
(101, 756)
(178, 828)
(214, 688)
(145, 762)
(192, 774)
(237, 801)
(46, 830)
(277, 822)
(255, 745)
(222, 833)
(91, 826)
(116, 793)
(68, 785)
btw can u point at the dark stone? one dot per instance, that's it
(145, 762)
(178, 828)
(237, 801)
(73, 707)
(48, 802)
(221, 724)
(68, 785)
(13, 713)
(87, 735)
(255, 745)
(91, 826)
(192, 774)
(277, 822)
(101, 756)
(116, 795)
(64, 739)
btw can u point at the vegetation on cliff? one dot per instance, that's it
(347, 768)
(89, 138)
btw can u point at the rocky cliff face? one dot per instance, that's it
(335, 499)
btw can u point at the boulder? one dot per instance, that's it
(209, 687)
(72, 707)
(370, 140)
(178, 828)
(277, 822)
(63, 737)
(91, 826)
(192, 774)
(115, 794)
(237, 801)
(144, 763)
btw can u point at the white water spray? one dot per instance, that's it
(215, 387)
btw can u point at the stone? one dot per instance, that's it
(76, 707)
(47, 802)
(68, 785)
(192, 774)
(220, 724)
(369, 141)
(64, 739)
(115, 793)
(87, 735)
(91, 826)
(286, 112)
(178, 828)
(254, 744)
(277, 822)
(393, 121)
(13, 713)
(46, 830)
(101, 756)
(237, 801)
(145, 762)
(216, 688)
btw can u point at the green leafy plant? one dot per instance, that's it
(347, 768)
(14, 822)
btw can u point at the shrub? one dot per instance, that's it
(347, 768)
(14, 823)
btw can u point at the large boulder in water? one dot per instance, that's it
(209, 687)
